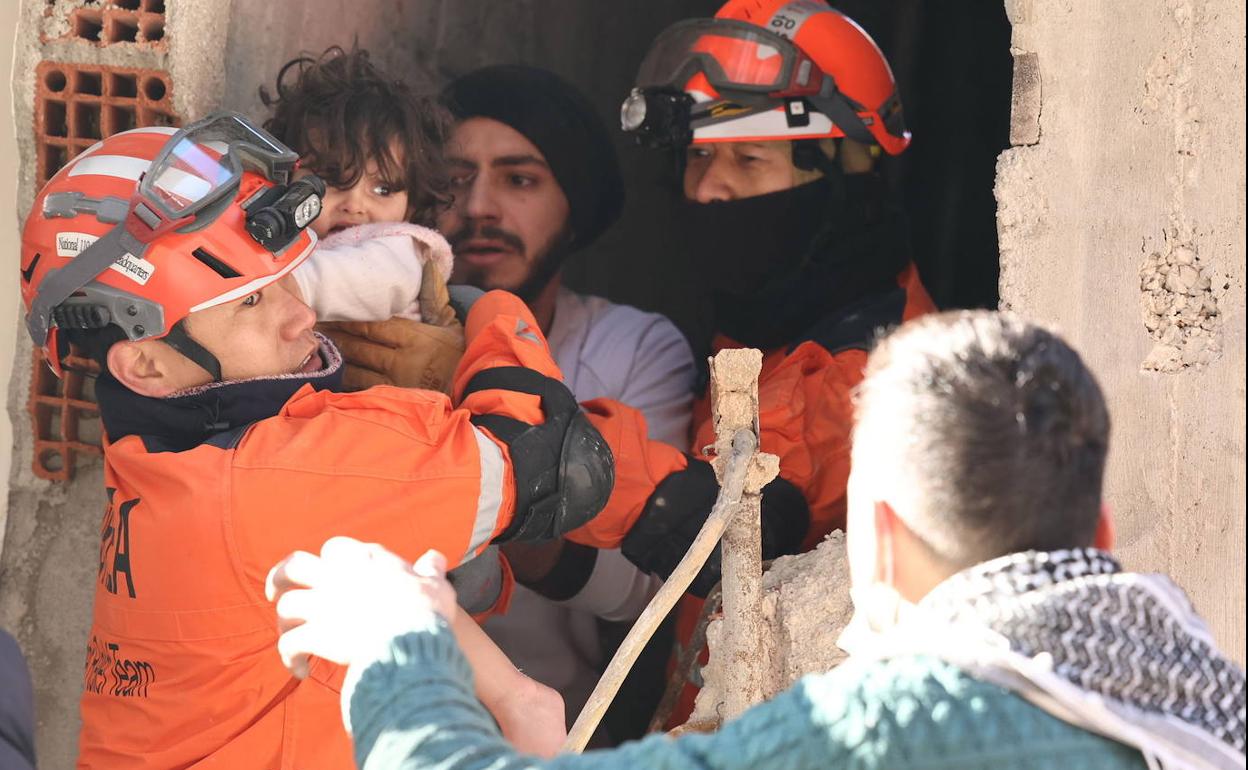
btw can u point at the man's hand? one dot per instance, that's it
(679, 507)
(411, 354)
(351, 598)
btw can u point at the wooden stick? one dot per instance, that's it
(744, 445)
(686, 662)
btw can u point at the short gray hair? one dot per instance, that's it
(994, 429)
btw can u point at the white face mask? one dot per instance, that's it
(878, 608)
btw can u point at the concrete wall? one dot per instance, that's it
(1121, 220)
(9, 301)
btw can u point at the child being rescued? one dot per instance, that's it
(378, 278)
(377, 282)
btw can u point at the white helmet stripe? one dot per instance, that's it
(261, 282)
(119, 166)
(166, 130)
(761, 126)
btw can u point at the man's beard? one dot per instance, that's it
(541, 270)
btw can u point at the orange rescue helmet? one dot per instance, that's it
(765, 70)
(153, 224)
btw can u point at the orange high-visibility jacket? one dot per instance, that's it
(182, 666)
(805, 418)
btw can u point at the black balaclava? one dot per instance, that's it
(560, 121)
(777, 264)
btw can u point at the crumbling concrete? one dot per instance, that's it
(1123, 224)
(734, 408)
(805, 607)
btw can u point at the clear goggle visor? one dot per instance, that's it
(205, 161)
(733, 55)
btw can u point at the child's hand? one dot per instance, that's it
(352, 597)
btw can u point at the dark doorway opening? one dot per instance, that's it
(953, 64)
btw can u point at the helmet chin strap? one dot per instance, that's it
(179, 340)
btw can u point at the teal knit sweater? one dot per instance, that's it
(412, 706)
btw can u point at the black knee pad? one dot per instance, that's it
(563, 468)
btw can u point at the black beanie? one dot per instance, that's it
(560, 121)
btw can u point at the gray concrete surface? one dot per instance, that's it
(1123, 224)
(9, 301)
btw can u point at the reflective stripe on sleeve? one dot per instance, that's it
(490, 500)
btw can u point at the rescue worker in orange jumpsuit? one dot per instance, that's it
(778, 108)
(166, 257)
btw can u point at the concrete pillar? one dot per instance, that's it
(1121, 221)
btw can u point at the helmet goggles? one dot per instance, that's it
(735, 56)
(202, 164)
(746, 66)
(725, 79)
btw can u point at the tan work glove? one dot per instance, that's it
(410, 354)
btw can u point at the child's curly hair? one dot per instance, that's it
(339, 111)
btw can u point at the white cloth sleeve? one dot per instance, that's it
(371, 272)
(660, 383)
(616, 590)
(660, 386)
(370, 281)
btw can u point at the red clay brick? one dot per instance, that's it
(76, 105)
(64, 416)
(119, 22)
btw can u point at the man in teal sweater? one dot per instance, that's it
(993, 629)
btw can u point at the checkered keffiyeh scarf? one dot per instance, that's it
(1121, 654)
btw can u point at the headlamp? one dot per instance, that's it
(277, 217)
(658, 117)
(633, 111)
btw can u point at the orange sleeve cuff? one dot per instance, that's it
(640, 464)
(501, 332)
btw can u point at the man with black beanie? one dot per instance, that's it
(535, 179)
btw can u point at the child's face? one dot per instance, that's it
(370, 199)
